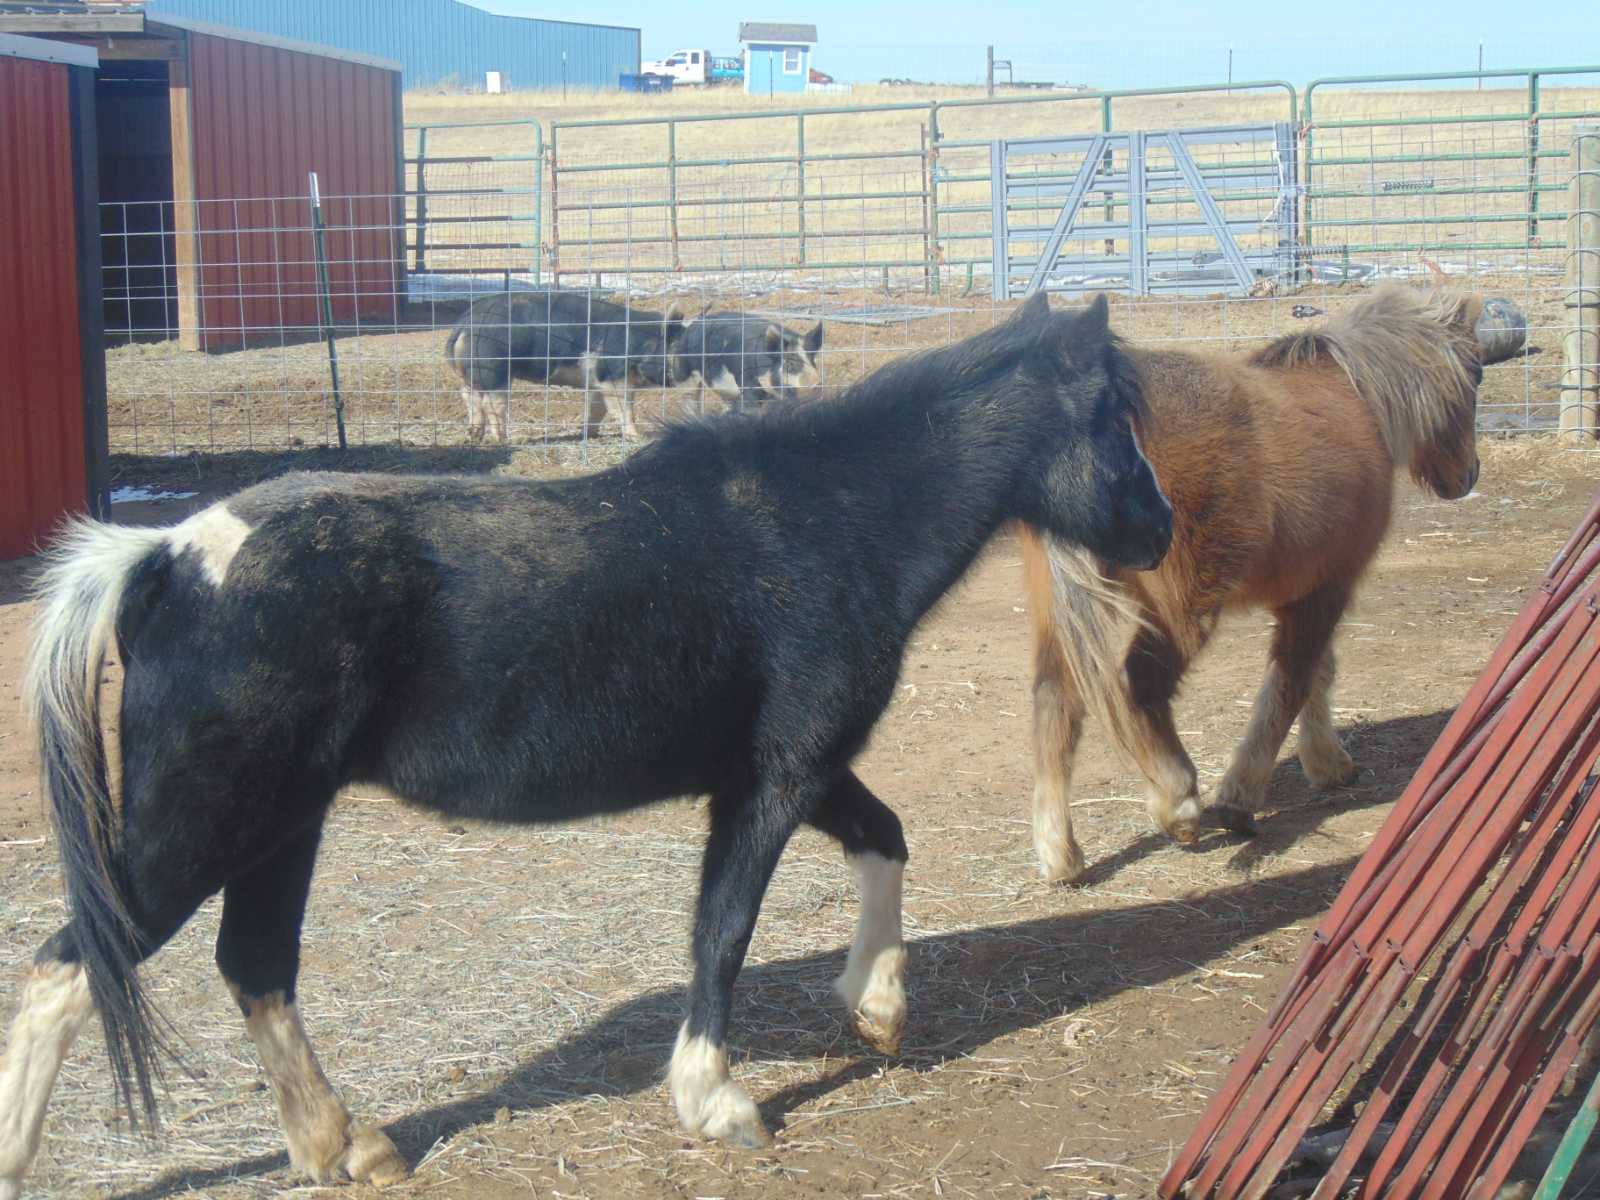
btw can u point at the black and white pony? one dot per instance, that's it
(724, 613)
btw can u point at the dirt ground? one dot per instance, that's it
(504, 1000)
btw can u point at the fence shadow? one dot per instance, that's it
(1387, 753)
(238, 468)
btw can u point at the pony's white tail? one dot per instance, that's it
(1092, 619)
(79, 596)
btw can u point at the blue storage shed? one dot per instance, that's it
(777, 56)
(437, 41)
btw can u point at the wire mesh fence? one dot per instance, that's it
(878, 224)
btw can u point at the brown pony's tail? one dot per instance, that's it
(1088, 617)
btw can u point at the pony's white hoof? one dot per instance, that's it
(1328, 766)
(877, 1005)
(1181, 822)
(1061, 864)
(728, 1115)
(337, 1150)
(709, 1103)
(10, 1189)
(373, 1159)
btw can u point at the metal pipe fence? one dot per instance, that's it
(878, 220)
(1473, 175)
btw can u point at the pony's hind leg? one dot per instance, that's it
(1324, 759)
(55, 1006)
(258, 953)
(749, 830)
(873, 985)
(57, 1001)
(1298, 646)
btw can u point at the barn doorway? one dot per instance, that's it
(137, 244)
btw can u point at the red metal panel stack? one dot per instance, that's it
(264, 117)
(1478, 909)
(43, 469)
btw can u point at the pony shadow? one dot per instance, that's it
(602, 1059)
(1387, 754)
(15, 577)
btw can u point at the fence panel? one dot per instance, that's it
(475, 200)
(1479, 172)
(816, 190)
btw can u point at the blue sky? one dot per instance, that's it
(1124, 44)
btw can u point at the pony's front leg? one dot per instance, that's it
(1299, 645)
(1154, 668)
(873, 985)
(1058, 712)
(749, 830)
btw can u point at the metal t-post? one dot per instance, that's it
(319, 241)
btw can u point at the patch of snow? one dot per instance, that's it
(126, 495)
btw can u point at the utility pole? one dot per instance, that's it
(988, 75)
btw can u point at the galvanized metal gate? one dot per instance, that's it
(1175, 210)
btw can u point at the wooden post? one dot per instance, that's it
(421, 259)
(989, 74)
(185, 211)
(1580, 377)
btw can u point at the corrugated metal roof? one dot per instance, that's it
(255, 37)
(776, 31)
(436, 41)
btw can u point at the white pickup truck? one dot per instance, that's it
(695, 66)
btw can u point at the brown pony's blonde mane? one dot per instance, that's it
(1412, 355)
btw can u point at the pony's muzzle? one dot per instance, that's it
(1144, 533)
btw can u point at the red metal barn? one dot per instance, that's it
(207, 135)
(52, 352)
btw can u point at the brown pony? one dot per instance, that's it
(1279, 464)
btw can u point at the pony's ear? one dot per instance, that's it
(1032, 313)
(813, 341)
(1094, 322)
(774, 339)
